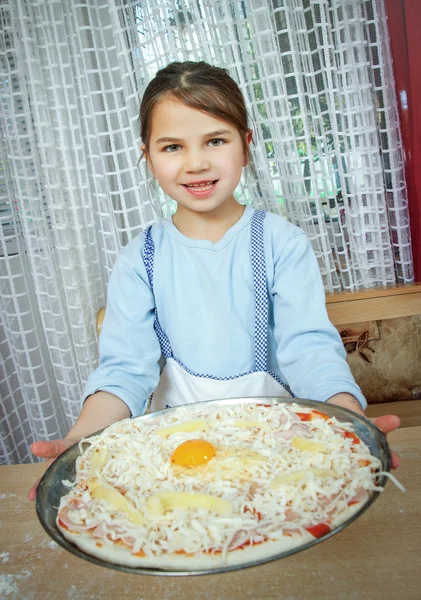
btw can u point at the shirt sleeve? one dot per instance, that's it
(129, 350)
(310, 351)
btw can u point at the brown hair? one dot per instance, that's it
(198, 85)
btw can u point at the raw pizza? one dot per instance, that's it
(210, 485)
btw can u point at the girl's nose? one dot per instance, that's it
(196, 163)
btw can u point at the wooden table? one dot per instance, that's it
(377, 557)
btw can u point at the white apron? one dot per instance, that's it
(178, 385)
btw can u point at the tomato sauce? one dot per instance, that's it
(319, 530)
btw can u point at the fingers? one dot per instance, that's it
(33, 491)
(396, 461)
(49, 449)
(387, 423)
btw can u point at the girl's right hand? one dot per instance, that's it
(99, 411)
(50, 451)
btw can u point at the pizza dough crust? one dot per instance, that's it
(121, 555)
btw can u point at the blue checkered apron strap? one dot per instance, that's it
(260, 291)
(148, 259)
(259, 286)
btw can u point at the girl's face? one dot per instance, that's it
(196, 158)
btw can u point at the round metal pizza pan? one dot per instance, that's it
(52, 488)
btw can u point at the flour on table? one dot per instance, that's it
(4, 557)
(9, 584)
(9, 495)
(73, 593)
(49, 544)
(45, 543)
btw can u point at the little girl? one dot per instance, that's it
(230, 296)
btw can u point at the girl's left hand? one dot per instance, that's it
(386, 423)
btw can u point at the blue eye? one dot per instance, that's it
(172, 148)
(216, 142)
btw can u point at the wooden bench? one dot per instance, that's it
(373, 305)
(388, 321)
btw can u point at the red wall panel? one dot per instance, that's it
(404, 17)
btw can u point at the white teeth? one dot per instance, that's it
(200, 186)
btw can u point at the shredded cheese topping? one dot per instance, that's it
(278, 470)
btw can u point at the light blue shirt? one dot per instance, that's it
(205, 303)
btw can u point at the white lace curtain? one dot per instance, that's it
(318, 82)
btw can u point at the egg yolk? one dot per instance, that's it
(193, 453)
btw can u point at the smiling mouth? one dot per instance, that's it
(202, 186)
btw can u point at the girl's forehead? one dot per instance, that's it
(172, 118)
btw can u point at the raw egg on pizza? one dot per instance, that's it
(193, 453)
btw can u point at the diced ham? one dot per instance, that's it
(360, 496)
(99, 531)
(243, 537)
(239, 538)
(324, 501)
(252, 490)
(296, 429)
(290, 531)
(291, 515)
(128, 540)
(294, 416)
(125, 541)
(63, 516)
